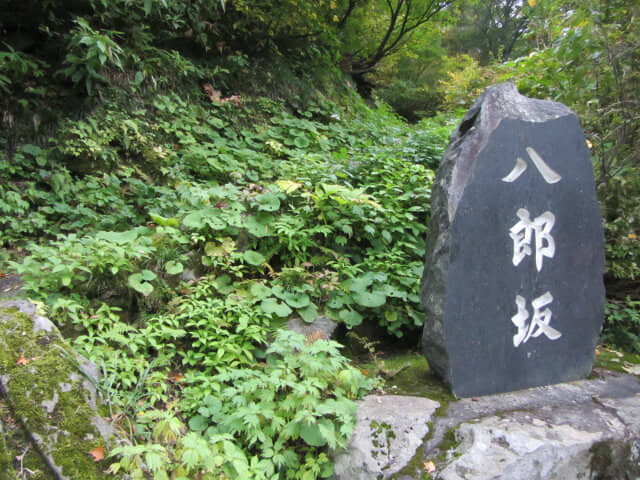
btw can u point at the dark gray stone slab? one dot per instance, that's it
(512, 287)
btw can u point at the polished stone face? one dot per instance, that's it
(520, 293)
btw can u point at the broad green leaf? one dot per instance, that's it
(216, 223)
(208, 216)
(297, 300)
(259, 290)
(136, 281)
(414, 297)
(336, 301)
(372, 299)
(309, 314)
(271, 305)
(223, 284)
(350, 317)
(198, 423)
(148, 275)
(268, 202)
(390, 316)
(253, 258)
(31, 149)
(278, 291)
(328, 431)
(173, 267)
(121, 238)
(327, 470)
(301, 142)
(360, 284)
(311, 434)
(258, 224)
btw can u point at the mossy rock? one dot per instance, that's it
(46, 391)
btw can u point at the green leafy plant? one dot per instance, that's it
(287, 412)
(174, 235)
(622, 325)
(173, 453)
(90, 52)
(16, 68)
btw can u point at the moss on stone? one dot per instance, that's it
(48, 396)
(613, 460)
(7, 471)
(19, 455)
(409, 374)
(614, 360)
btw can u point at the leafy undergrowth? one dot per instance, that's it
(170, 238)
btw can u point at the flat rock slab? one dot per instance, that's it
(512, 286)
(389, 430)
(552, 432)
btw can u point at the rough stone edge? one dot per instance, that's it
(540, 402)
(357, 458)
(494, 105)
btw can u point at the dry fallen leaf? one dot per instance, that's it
(315, 336)
(214, 95)
(22, 360)
(97, 453)
(429, 467)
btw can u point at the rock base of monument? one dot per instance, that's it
(584, 429)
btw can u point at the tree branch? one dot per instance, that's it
(395, 34)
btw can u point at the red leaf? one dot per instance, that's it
(97, 453)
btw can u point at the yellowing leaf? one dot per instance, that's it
(288, 186)
(97, 453)
(532, 3)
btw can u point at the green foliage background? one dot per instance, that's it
(177, 179)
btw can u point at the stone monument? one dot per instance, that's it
(512, 286)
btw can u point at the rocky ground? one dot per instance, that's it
(583, 429)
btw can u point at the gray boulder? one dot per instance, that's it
(322, 327)
(389, 430)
